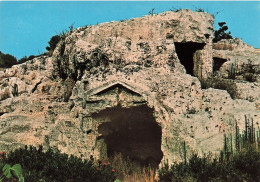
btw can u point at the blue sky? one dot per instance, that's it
(26, 27)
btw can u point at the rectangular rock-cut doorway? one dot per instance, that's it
(185, 52)
(133, 132)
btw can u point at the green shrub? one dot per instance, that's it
(25, 58)
(55, 166)
(7, 60)
(248, 162)
(53, 42)
(239, 166)
(250, 72)
(56, 39)
(243, 166)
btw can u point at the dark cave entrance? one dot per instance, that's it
(217, 63)
(185, 52)
(133, 132)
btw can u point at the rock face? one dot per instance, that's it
(237, 60)
(131, 87)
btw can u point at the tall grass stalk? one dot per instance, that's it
(131, 171)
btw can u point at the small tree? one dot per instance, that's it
(221, 33)
(23, 60)
(7, 60)
(53, 42)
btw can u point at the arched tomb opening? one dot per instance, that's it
(133, 132)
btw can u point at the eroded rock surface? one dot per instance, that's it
(65, 101)
(236, 60)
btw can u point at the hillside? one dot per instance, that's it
(141, 87)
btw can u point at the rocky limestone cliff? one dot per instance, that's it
(240, 61)
(131, 87)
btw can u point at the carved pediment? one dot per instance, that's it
(117, 92)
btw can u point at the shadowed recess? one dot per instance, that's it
(132, 132)
(217, 63)
(185, 52)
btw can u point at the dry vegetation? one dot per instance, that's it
(130, 171)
